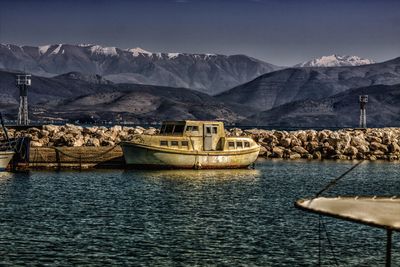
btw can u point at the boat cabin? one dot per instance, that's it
(208, 135)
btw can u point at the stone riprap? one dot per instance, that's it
(70, 135)
(370, 144)
(346, 144)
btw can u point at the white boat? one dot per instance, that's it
(6, 149)
(377, 211)
(5, 158)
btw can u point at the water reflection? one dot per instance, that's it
(201, 175)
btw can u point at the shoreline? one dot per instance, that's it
(55, 146)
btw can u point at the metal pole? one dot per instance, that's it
(389, 248)
(319, 241)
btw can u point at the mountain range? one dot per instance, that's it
(306, 96)
(209, 73)
(293, 84)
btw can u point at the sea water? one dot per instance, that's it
(187, 218)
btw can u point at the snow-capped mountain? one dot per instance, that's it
(208, 73)
(336, 61)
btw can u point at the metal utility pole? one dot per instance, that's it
(23, 82)
(363, 115)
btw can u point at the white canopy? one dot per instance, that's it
(383, 212)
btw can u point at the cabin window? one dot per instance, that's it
(231, 145)
(239, 144)
(214, 130)
(246, 144)
(163, 143)
(208, 130)
(185, 143)
(169, 128)
(174, 143)
(190, 128)
(179, 128)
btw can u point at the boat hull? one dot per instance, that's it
(5, 158)
(139, 156)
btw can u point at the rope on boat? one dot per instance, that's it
(321, 224)
(334, 181)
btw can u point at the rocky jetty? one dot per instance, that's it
(344, 144)
(70, 135)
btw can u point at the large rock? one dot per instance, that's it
(93, 142)
(393, 147)
(302, 136)
(73, 129)
(150, 131)
(285, 142)
(311, 146)
(277, 152)
(374, 139)
(51, 128)
(294, 155)
(336, 143)
(358, 141)
(350, 151)
(296, 142)
(36, 144)
(363, 149)
(378, 146)
(116, 128)
(299, 150)
(107, 143)
(263, 150)
(78, 142)
(236, 132)
(317, 155)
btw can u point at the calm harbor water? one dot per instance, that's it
(186, 218)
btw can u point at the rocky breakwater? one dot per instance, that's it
(345, 144)
(70, 135)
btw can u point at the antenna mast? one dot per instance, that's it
(363, 115)
(23, 82)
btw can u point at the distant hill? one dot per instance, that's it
(294, 84)
(336, 61)
(74, 96)
(142, 104)
(209, 73)
(340, 110)
(51, 89)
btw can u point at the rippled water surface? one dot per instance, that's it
(224, 217)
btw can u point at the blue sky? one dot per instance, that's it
(283, 32)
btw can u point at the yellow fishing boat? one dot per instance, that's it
(190, 145)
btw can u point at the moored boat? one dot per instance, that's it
(190, 145)
(5, 158)
(6, 150)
